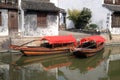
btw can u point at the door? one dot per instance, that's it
(13, 22)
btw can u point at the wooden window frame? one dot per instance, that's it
(3, 1)
(108, 1)
(41, 19)
(9, 1)
(116, 20)
(117, 2)
(0, 19)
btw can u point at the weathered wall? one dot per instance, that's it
(4, 27)
(4, 43)
(31, 28)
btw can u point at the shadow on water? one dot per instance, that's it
(103, 66)
(86, 64)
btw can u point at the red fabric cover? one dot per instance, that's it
(60, 39)
(98, 39)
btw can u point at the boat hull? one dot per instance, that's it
(32, 52)
(84, 52)
(43, 51)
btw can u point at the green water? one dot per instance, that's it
(103, 66)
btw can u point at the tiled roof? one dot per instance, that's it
(62, 11)
(39, 6)
(8, 6)
(112, 7)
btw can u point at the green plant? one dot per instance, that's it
(80, 18)
(84, 18)
(93, 26)
(73, 15)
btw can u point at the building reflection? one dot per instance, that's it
(57, 68)
(113, 67)
(4, 69)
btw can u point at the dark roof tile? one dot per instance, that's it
(112, 7)
(39, 6)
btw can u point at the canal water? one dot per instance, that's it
(105, 65)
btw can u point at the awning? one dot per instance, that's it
(60, 39)
(98, 39)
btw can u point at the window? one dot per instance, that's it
(116, 19)
(42, 19)
(0, 19)
(108, 1)
(117, 2)
(112, 1)
(9, 1)
(2, 1)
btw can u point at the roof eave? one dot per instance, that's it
(112, 7)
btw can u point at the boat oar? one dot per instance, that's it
(28, 42)
(18, 47)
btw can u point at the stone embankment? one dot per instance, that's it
(6, 41)
(110, 40)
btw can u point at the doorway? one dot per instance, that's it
(13, 22)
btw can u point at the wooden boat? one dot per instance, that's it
(49, 45)
(89, 46)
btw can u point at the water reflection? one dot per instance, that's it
(103, 66)
(38, 67)
(114, 70)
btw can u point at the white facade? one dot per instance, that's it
(4, 26)
(100, 15)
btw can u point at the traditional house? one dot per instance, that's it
(114, 7)
(28, 18)
(105, 13)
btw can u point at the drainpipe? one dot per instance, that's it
(21, 16)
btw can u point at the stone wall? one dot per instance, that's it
(4, 43)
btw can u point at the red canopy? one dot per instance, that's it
(98, 39)
(60, 39)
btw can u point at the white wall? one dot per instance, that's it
(99, 13)
(4, 27)
(55, 2)
(31, 28)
